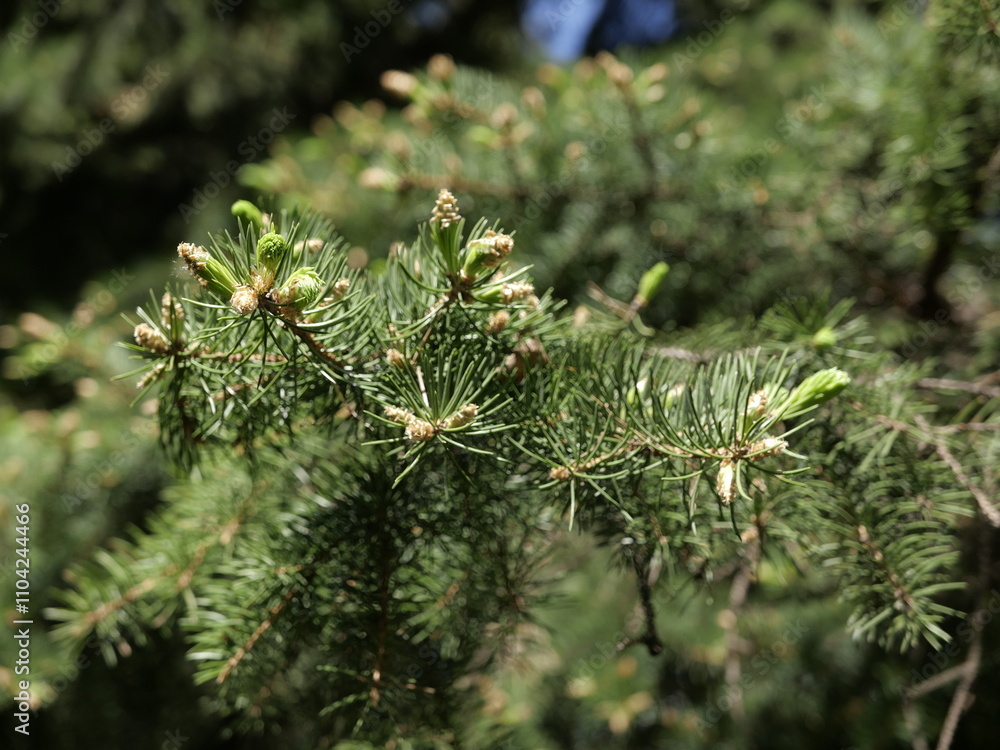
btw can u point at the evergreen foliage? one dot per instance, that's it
(411, 489)
(807, 143)
(410, 440)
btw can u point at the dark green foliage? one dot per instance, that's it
(423, 505)
(754, 173)
(413, 440)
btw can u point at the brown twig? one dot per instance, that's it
(649, 638)
(968, 670)
(735, 645)
(963, 697)
(243, 650)
(986, 507)
(959, 385)
(933, 683)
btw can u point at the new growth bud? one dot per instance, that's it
(418, 429)
(769, 446)
(560, 473)
(340, 288)
(650, 284)
(441, 67)
(725, 480)
(301, 289)
(445, 210)
(149, 338)
(210, 273)
(244, 300)
(506, 293)
(486, 253)
(823, 339)
(516, 291)
(251, 215)
(400, 416)
(395, 358)
(171, 310)
(313, 245)
(757, 404)
(271, 248)
(815, 390)
(462, 417)
(399, 83)
(498, 321)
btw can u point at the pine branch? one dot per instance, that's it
(959, 385)
(243, 650)
(989, 511)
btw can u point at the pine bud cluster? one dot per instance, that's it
(725, 480)
(395, 358)
(301, 289)
(244, 300)
(149, 338)
(445, 210)
(561, 473)
(171, 310)
(769, 446)
(210, 273)
(419, 429)
(486, 253)
(498, 322)
(461, 418)
(757, 404)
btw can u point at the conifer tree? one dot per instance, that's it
(379, 461)
(377, 467)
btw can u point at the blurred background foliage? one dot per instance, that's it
(766, 149)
